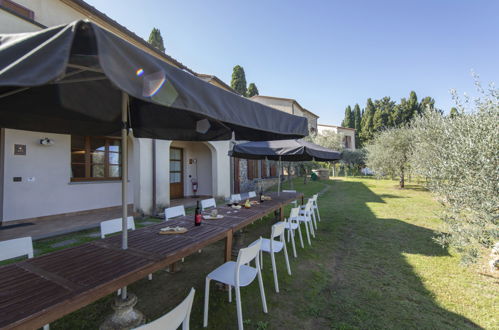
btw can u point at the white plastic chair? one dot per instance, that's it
(235, 197)
(18, 247)
(273, 246)
(113, 226)
(207, 203)
(237, 274)
(251, 194)
(177, 316)
(175, 211)
(305, 216)
(315, 206)
(295, 202)
(292, 224)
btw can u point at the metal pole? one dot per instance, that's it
(279, 178)
(124, 177)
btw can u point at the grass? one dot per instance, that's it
(373, 264)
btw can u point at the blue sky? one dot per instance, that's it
(328, 54)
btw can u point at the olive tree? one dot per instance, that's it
(388, 154)
(354, 159)
(459, 157)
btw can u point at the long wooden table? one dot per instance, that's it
(41, 290)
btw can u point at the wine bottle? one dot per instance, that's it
(197, 215)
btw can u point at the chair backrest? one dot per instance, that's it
(207, 203)
(277, 230)
(114, 226)
(16, 247)
(248, 253)
(289, 191)
(175, 211)
(251, 194)
(177, 316)
(295, 211)
(235, 197)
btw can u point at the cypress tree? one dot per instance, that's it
(252, 90)
(366, 131)
(156, 40)
(348, 121)
(238, 82)
(384, 113)
(357, 117)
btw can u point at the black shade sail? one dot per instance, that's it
(285, 150)
(69, 79)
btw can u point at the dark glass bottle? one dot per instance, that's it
(197, 215)
(261, 196)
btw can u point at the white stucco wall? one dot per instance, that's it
(338, 130)
(13, 24)
(51, 12)
(51, 191)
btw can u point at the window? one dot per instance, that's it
(252, 169)
(175, 165)
(95, 158)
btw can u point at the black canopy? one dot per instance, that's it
(70, 79)
(285, 150)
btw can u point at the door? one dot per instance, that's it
(176, 173)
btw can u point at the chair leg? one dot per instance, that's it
(312, 231)
(230, 293)
(274, 270)
(261, 259)
(206, 301)
(262, 291)
(239, 308)
(149, 277)
(318, 213)
(301, 236)
(46, 327)
(293, 241)
(308, 234)
(287, 259)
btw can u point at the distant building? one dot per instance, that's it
(290, 106)
(251, 174)
(348, 134)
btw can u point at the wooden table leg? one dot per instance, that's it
(302, 199)
(228, 246)
(281, 213)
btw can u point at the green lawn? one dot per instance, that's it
(373, 265)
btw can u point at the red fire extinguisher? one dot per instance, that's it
(194, 183)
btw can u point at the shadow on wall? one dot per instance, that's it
(372, 282)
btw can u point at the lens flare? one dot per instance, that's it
(152, 83)
(139, 72)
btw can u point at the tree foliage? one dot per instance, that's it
(389, 153)
(327, 139)
(367, 122)
(354, 159)
(349, 120)
(459, 156)
(252, 90)
(238, 82)
(156, 40)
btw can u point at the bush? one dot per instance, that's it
(459, 157)
(389, 153)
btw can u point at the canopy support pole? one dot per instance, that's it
(279, 178)
(124, 177)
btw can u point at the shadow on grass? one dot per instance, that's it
(373, 285)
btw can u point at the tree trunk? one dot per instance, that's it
(402, 181)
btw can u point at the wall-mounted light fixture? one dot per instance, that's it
(46, 142)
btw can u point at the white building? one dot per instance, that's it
(248, 173)
(82, 174)
(348, 134)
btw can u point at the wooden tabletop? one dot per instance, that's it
(38, 291)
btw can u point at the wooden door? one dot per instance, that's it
(176, 173)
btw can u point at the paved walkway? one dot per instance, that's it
(56, 225)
